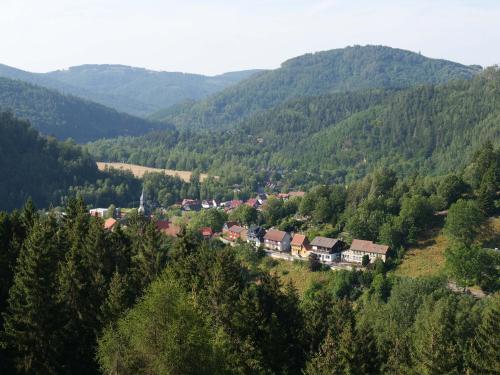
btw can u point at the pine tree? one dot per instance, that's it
(484, 354)
(487, 192)
(32, 320)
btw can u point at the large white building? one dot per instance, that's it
(360, 248)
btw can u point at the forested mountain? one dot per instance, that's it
(46, 170)
(432, 129)
(66, 116)
(339, 70)
(128, 89)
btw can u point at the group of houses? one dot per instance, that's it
(326, 250)
(257, 202)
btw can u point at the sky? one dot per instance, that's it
(215, 36)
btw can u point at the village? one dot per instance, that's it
(335, 253)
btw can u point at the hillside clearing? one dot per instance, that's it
(139, 171)
(424, 259)
(297, 272)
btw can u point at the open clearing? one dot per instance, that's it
(427, 257)
(139, 171)
(297, 272)
(424, 259)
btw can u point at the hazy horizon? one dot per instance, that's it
(210, 39)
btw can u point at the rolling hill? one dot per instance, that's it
(339, 70)
(337, 137)
(66, 116)
(136, 91)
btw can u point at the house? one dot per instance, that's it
(235, 232)
(300, 245)
(277, 240)
(227, 225)
(98, 212)
(253, 202)
(110, 223)
(255, 235)
(191, 205)
(283, 196)
(206, 204)
(206, 232)
(360, 248)
(327, 249)
(168, 228)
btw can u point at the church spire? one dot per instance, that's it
(142, 207)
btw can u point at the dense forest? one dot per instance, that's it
(49, 171)
(333, 138)
(65, 116)
(78, 299)
(340, 70)
(136, 91)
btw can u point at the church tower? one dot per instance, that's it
(142, 207)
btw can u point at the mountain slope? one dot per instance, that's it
(339, 70)
(65, 116)
(127, 89)
(337, 137)
(31, 166)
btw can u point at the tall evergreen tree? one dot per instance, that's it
(484, 354)
(33, 319)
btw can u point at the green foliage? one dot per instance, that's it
(48, 171)
(163, 334)
(340, 70)
(212, 218)
(464, 221)
(244, 215)
(64, 116)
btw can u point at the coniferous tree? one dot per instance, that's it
(484, 353)
(33, 318)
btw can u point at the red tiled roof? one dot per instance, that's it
(369, 247)
(283, 195)
(251, 202)
(206, 232)
(235, 203)
(109, 223)
(275, 235)
(298, 239)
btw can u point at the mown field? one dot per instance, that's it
(139, 171)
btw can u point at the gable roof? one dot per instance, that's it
(236, 229)
(275, 235)
(329, 243)
(369, 247)
(298, 239)
(109, 223)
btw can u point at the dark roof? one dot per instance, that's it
(329, 243)
(369, 247)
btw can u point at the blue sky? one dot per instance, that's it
(214, 36)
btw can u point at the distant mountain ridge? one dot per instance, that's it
(66, 116)
(339, 70)
(132, 90)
